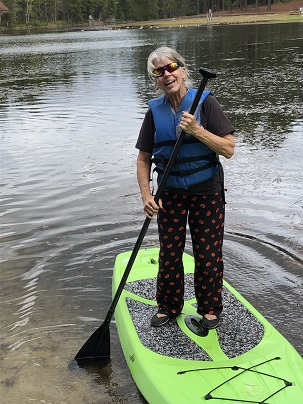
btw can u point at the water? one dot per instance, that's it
(71, 106)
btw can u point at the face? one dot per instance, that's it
(172, 83)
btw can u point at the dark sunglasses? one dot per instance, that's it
(171, 67)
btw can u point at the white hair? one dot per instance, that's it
(166, 52)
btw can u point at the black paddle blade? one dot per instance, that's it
(96, 347)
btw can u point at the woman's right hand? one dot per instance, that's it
(149, 205)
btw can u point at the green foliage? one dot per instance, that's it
(35, 12)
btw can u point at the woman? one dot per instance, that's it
(194, 191)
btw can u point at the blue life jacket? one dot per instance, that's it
(195, 161)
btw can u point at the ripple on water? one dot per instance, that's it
(70, 112)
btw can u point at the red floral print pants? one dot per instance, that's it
(205, 216)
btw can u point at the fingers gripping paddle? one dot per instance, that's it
(98, 345)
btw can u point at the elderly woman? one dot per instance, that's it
(194, 191)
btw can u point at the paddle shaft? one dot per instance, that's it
(206, 75)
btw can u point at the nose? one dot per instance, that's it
(166, 72)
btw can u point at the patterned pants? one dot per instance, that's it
(205, 216)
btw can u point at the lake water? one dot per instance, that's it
(71, 106)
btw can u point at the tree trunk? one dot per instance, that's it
(269, 5)
(45, 10)
(27, 14)
(205, 6)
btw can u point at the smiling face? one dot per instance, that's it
(172, 83)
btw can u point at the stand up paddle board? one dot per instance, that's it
(244, 360)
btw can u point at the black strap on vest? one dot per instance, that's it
(182, 160)
(221, 179)
(187, 140)
(215, 161)
(185, 173)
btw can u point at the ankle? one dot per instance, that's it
(210, 316)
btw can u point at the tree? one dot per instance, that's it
(269, 5)
(78, 11)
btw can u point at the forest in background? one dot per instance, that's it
(44, 12)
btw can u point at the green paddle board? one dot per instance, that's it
(244, 360)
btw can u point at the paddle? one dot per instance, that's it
(98, 345)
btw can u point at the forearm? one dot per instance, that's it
(143, 172)
(223, 146)
(143, 176)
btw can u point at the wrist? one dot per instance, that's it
(145, 195)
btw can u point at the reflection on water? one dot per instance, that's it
(71, 106)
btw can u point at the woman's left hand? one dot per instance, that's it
(223, 145)
(189, 124)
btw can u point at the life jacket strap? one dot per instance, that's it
(187, 140)
(221, 179)
(183, 160)
(185, 173)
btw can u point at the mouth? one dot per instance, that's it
(168, 83)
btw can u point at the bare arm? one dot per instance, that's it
(220, 145)
(143, 172)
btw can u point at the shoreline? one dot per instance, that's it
(237, 17)
(217, 19)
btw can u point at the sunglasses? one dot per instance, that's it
(171, 67)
